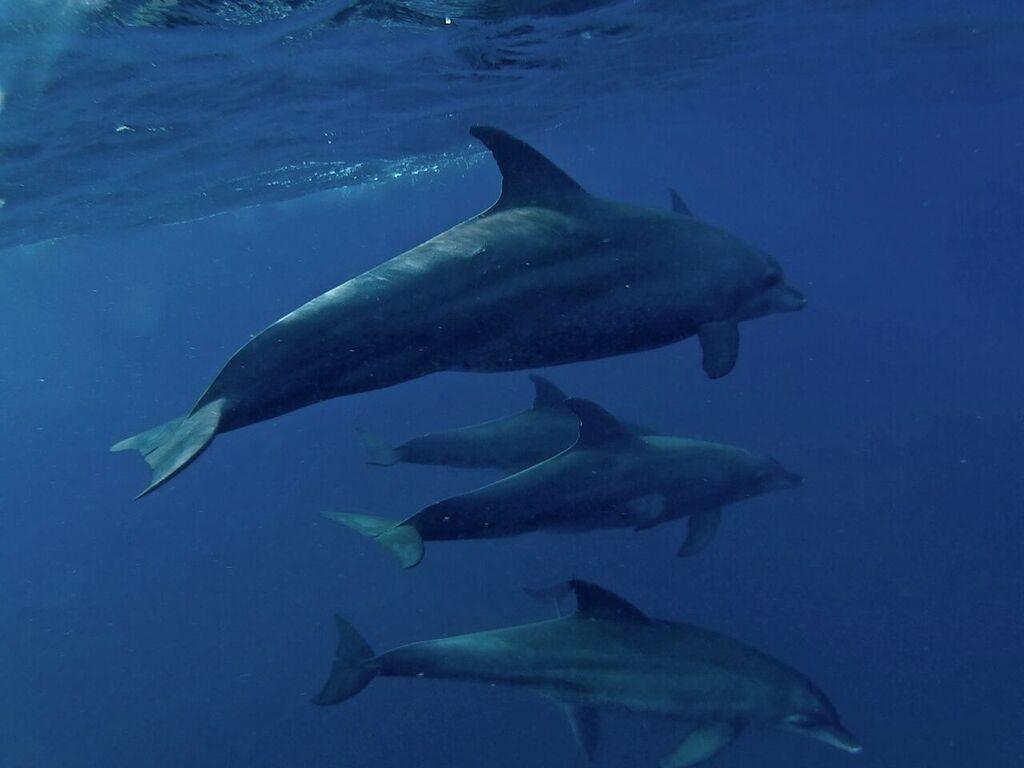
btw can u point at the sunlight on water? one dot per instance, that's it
(35, 33)
(183, 109)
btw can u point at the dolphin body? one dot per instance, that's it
(511, 443)
(548, 275)
(609, 655)
(610, 478)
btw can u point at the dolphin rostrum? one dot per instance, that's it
(547, 275)
(609, 655)
(511, 443)
(610, 478)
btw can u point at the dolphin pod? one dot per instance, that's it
(610, 478)
(610, 655)
(548, 275)
(510, 444)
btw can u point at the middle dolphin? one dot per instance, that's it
(610, 478)
(548, 275)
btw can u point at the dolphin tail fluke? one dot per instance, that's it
(378, 453)
(171, 447)
(401, 540)
(353, 666)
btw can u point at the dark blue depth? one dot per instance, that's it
(192, 627)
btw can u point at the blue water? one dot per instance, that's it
(875, 149)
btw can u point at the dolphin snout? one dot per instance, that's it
(829, 731)
(836, 735)
(792, 480)
(789, 299)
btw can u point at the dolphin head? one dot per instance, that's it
(812, 714)
(729, 474)
(766, 291)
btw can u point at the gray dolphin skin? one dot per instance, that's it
(548, 275)
(510, 444)
(609, 655)
(610, 478)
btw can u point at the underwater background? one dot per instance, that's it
(874, 148)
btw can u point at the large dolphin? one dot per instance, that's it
(610, 478)
(547, 275)
(609, 655)
(511, 443)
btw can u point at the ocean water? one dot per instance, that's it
(175, 176)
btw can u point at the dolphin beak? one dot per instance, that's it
(788, 299)
(831, 733)
(782, 479)
(792, 480)
(836, 735)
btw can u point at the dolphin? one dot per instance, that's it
(511, 443)
(547, 275)
(609, 478)
(609, 655)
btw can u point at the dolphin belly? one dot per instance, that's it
(697, 694)
(576, 666)
(462, 517)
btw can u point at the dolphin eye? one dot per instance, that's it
(772, 278)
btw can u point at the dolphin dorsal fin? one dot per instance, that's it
(546, 394)
(527, 177)
(678, 206)
(597, 426)
(594, 602)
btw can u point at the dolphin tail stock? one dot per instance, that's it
(401, 540)
(378, 453)
(353, 666)
(172, 446)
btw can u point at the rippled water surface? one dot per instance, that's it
(131, 112)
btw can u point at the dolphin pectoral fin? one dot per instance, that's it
(720, 343)
(703, 743)
(401, 540)
(701, 530)
(585, 727)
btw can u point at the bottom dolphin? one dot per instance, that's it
(609, 655)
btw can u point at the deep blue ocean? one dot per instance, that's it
(176, 176)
